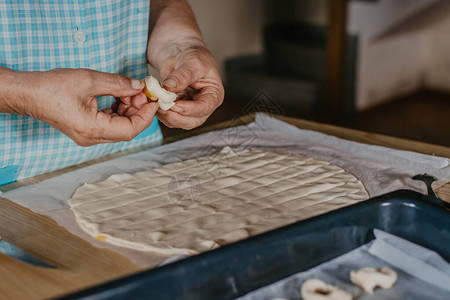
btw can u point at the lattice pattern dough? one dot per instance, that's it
(199, 204)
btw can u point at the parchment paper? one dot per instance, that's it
(380, 169)
(422, 273)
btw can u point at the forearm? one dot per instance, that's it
(11, 93)
(172, 29)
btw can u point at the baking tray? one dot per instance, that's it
(236, 269)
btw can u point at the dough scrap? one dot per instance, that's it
(155, 92)
(199, 204)
(370, 278)
(315, 289)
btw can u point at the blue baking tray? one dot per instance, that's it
(236, 269)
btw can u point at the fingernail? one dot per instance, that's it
(163, 112)
(177, 109)
(169, 83)
(137, 84)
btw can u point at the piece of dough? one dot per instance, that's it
(199, 204)
(155, 92)
(315, 289)
(370, 278)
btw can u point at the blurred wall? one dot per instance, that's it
(404, 44)
(389, 68)
(230, 27)
(310, 11)
(388, 65)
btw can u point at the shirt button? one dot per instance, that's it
(79, 36)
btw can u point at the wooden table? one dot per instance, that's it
(78, 263)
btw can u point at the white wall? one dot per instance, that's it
(388, 65)
(371, 19)
(230, 27)
(389, 68)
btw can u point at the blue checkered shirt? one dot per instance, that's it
(106, 35)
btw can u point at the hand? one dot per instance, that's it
(66, 99)
(192, 74)
(176, 49)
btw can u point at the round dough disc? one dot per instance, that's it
(199, 204)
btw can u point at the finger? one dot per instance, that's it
(139, 100)
(163, 120)
(125, 100)
(120, 128)
(183, 76)
(187, 94)
(108, 110)
(204, 103)
(122, 109)
(179, 121)
(160, 115)
(114, 84)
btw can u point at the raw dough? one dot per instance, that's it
(315, 289)
(199, 204)
(155, 92)
(370, 278)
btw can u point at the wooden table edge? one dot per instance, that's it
(337, 131)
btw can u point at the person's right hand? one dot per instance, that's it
(66, 99)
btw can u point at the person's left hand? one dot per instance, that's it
(192, 74)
